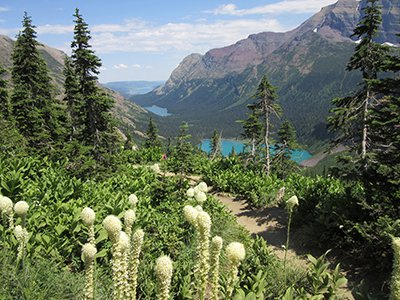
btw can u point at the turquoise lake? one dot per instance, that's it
(160, 111)
(298, 155)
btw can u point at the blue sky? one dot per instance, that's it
(146, 40)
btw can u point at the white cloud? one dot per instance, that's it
(55, 29)
(139, 36)
(120, 66)
(136, 66)
(103, 69)
(283, 7)
(3, 9)
(149, 67)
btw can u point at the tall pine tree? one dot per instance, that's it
(33, 107)
(89, 107)
(252, 131)
(266, 106)
(152, 139)
(351, 113)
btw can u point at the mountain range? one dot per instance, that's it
(307, 64)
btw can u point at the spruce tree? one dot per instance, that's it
(90, 104)
(265, 107)
(284, 149)
(215, 144)
(152, 139)
(34, 109)
(351, 113)
(252, 131)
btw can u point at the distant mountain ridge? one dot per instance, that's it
(306, 64)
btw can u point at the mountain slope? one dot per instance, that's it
(307, 65)
(124, 110)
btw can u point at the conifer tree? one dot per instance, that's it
(284, 149)
(152, 139)
(34, 109)
(265, 107)
(351, 113)
(215, 144)
(90, 104)
(252, 131)
(182, 154)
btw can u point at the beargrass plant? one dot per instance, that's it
(215, 252)
(291, 203)
(163, 271)
(6, 206)
(235, 253)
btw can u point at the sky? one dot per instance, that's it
(146, 40)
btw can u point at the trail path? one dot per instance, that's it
(271, 224)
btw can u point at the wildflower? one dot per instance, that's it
(235, 253)
(292, 202)
(129, 218)
(88, 216)
(21, 208)
(134, 261)
(201, 197)
(191, 215)
(89, 252)
(6, 205)
(202, 266)
(113, 226)
(22, 237)
(280, 194)
(216, 246)
(133, 200)
(163, 271)
(395, 281)
(190, 193)
(202, 187)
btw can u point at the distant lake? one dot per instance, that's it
(298, 155)
(160, 111)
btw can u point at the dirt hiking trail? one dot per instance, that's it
(271, 224)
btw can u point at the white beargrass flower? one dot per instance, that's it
(123, 241)
(292, 202)
(113, 226)
(130, 217)
(133, 268)
(196, 190)
(202, 186)
(190, 193)
(201, 197)
(202, 266)
(6, 205)
(88, 216)
(22, 237)
(191, 215)
(21, 208)
(133, 200)
(89, 252)
(163, 270)
(235, 253)
(216, 246)
(198, 208)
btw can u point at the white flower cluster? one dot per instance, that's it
(235, 252)
(21, 208)
(113, 226)
(89, 252)
(155, 168)
(133, 200)
(198, 192)
(88, 216)
(6, 205)
(163, 271)
(130, 217)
